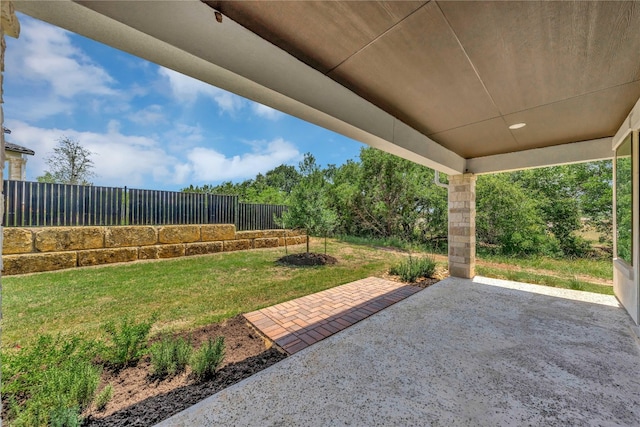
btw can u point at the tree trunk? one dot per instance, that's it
(286, 249)
(307, 233)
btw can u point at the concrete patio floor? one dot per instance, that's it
(462, 352)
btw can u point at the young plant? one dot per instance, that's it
(414, 268)
(128, 341)
(170, 356)
(208, 359)
(104, 397)
(65, 417)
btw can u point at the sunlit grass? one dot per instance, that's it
(599, 268)
(541, 279)
(184, 292)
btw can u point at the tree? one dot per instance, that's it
(272, 188)
(284, 178)
(384, 195)
(563, 193)
(594, 180)
(308, 207)
(70, 163)
(509, 219)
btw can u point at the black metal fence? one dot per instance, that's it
(36, 204)
(253, 216)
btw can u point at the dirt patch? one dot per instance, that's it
(140, 400)
(307, 259)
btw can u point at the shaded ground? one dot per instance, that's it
(307, 259)
(139, 400)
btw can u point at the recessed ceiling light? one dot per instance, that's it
(517, 126)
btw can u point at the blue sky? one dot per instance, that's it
(148, 126)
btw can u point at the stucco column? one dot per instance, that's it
(462, 226)
(17, 168)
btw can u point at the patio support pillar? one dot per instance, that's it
(462, 226)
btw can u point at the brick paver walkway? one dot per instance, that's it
(298, 323)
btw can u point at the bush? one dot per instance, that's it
(414, 268)
(208, 359)
(575, 247)
(128, 342)
(51, 383)
(170, 356)
(65, 417)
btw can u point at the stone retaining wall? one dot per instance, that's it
(29, 250)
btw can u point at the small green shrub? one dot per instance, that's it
(170, 356)
(128, 341)
(65, 417)
(76, 383)
(414, 268)
(208, 359)
(104, 397)
(50, 383)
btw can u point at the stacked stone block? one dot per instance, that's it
(29, 250)
(462, 225)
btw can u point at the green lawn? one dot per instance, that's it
(184, 292)
(600, 268)
(194, 291)
(543, 279)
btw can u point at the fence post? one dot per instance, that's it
(236, 216)
(124, 207)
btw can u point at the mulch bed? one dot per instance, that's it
(140, 400)
(425, 282)
(307, 259)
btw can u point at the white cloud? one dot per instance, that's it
(187, 90)
(119, 159)
(186, 133)
(47, 75)
(210, 165)
(45, 54)
(266, 112)
(150, 115)
(136, 161)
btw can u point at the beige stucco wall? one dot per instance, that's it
(29, 250)
(17, 164)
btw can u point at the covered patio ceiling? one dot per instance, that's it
(437, 82)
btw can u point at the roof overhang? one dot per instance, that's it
(437, 83)
(15, 148)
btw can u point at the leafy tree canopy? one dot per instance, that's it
(538, 211)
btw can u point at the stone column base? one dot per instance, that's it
(462, 226)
